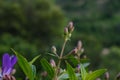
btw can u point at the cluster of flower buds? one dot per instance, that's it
(78, 48)
(68, 30)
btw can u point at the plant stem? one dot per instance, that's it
(63, 47)
(59, 61)
(61, 54)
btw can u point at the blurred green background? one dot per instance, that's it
(31, 27)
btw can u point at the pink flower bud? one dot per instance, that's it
(52, 62)
(71, 23)
(70, 27)
(79, 45)
(107, 76)
(74, 51)
(65, 31)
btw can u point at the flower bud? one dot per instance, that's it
(65, 31)
(70, 27)
(52, 62)
(106, 76)
(79, 45)
(74, 51)
(53, 49)
(71, 24)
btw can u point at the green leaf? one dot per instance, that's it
(71, 72)
(25, 66)
(34, 59)
(48, 68)
(53, 55)
(83, 72)
(33, 70)
(72, 60)
(86, 64)
(63, 76)
(84, 60)
(95, 74)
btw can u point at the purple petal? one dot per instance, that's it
(13, 60)
(6, 62)
(7, 72)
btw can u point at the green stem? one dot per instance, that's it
(63, 47)
(60, 59)
(61, 54)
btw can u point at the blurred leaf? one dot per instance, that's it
(33, 70)
(86, 64)
(73, 60)
(52, 54)
(84, 60)
(71, 72)
(83, 72)
(48, 68)
(63, 76)
(25, 66)
(95, 74)
(34, 59)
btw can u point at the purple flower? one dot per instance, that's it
(7, 64)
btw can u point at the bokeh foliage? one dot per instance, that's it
(27, 27)
(34, 21)
(110, 60)
(97, 25)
